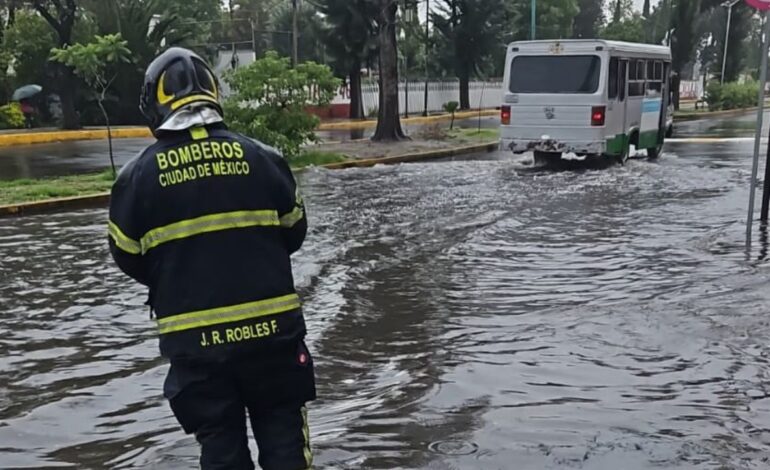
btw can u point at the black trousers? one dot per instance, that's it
(212, 402)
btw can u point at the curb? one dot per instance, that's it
(415, 157)
(102, 199)
(66, 136)
(50, 205)
(368, 124)
(712, 114)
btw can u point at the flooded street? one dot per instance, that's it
(470, 314)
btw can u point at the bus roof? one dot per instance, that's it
(590, 45)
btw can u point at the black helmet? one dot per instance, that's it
(176, 78)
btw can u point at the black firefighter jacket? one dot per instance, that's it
(208, 219)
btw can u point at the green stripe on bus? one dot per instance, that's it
(616, 145)
(648, 139)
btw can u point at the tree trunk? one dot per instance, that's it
(356, 98)
(465, 93)
(388, 120)
(109, 136)
(66, 89)
(675, 82)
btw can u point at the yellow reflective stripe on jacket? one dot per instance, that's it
(207, 224)
(231, 314)
(290, 220)
(122, 241)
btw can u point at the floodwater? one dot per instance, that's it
(464, 315)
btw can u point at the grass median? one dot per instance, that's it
(22, 191)
(32, 190)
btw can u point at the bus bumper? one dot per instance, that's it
(556, 146)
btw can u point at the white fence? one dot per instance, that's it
(691, 89)
(482, 95)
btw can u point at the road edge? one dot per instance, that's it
(102, 199)
(48, 137)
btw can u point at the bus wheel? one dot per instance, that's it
(669, 132)
(655, 152)
(623, 157)
(546, 158)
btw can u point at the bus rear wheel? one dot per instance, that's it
(654, 153)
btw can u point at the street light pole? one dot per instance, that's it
(729, 6)
(294, 33)
(533, 21)
(427, 51)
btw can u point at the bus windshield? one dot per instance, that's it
(555, 74)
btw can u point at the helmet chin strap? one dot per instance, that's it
(192, 115)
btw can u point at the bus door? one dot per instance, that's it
(623, 91)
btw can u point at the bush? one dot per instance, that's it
(11, 116)
(732, 95)
(452, 107)
(269, 100)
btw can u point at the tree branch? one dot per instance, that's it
(47, 15)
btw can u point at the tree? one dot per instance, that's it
(554, 18)
(61, 16)
(471, 30)
(310, 38)
(148, 27)
(684, 40)
(646, 9)
(621, 9)
(631, 29)
(589, 19)
(388, 120)
(351, 39)
(29, 41)
(250, 20)
(740, 29)
(269, 100)
(92, 63)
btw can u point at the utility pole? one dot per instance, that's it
(758, 133)
(729, 5)
(427, 51)
(406, 17)
(533, 22)
(294, 33)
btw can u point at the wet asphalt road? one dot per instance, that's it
(466, 314)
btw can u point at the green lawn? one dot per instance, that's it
(31, 190)
(474, 135)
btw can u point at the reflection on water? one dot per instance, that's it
(465, 315)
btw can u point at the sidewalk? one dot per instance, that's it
(51, 135)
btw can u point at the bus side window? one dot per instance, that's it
(613, 79)
(623, 71)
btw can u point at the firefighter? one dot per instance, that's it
(207, 219)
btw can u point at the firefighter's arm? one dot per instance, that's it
(124, 230)
(291, 208)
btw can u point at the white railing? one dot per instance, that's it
(482, 95)
(691, 89)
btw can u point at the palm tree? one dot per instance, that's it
(351, 39)
(472, 30)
